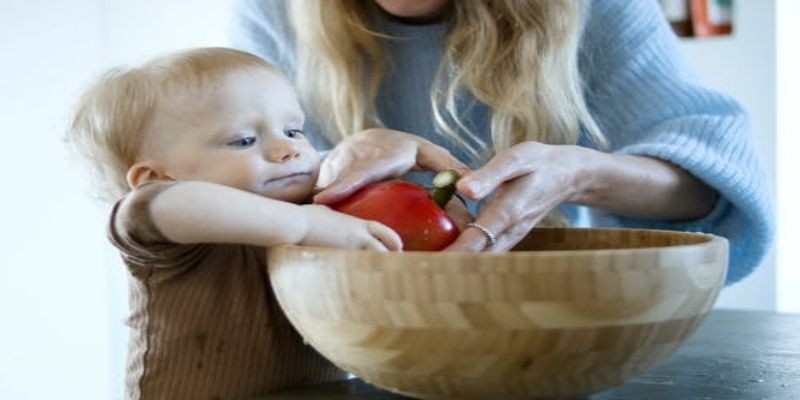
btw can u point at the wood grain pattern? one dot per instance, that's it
(570, 312)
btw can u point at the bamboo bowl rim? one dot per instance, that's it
(696, 241)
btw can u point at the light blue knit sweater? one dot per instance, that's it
(638, 88)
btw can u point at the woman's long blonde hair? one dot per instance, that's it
(519, 57)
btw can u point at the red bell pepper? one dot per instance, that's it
(408, 208)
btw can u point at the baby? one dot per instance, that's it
(203, 154)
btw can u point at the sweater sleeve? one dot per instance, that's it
(646, 101)
(261, 27)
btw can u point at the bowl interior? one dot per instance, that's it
(560, 239)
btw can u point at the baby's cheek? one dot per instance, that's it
(310, 151)
(245, 177)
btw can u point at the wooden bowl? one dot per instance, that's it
(570, 312)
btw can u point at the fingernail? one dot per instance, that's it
(475, 188)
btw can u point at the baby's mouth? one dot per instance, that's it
(289, 179)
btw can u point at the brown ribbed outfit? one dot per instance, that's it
(204, 321)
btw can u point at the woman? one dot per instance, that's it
(552, 103)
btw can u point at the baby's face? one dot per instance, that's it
(245, 132)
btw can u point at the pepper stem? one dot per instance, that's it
(444, 186)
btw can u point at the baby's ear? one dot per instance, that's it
(143, 172)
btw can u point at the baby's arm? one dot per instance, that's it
(202, 212)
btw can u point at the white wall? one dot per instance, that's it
(63, 292)
(743, 66)
(136, 30)
(54, 290)
(788, 162)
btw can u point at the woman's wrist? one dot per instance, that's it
(641, 187)
(590, 179)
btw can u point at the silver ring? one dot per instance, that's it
(489, 235)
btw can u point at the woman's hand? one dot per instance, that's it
(530, 180)
(326, 227)
(459, 213)
(377, 154)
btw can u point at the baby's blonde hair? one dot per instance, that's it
(114, 114)
(517, 56)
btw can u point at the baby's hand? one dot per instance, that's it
(331, 228)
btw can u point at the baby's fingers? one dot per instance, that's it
(373, 244)
(385, 235)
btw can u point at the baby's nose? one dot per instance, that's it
(281, 151)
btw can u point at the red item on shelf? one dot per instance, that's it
(712, 17)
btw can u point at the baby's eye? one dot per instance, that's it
(243, 142)
(293, 133)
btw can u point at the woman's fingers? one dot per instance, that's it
(378, 154)
(492, 218)
(344, 186)
(506, 237)
(431, 157)
(332, 166)
(511, 213)
(496, 218)
(470, 239)
(358, 175)
(503, 167)
(459, 213)
(512, 236)
(529, 180)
